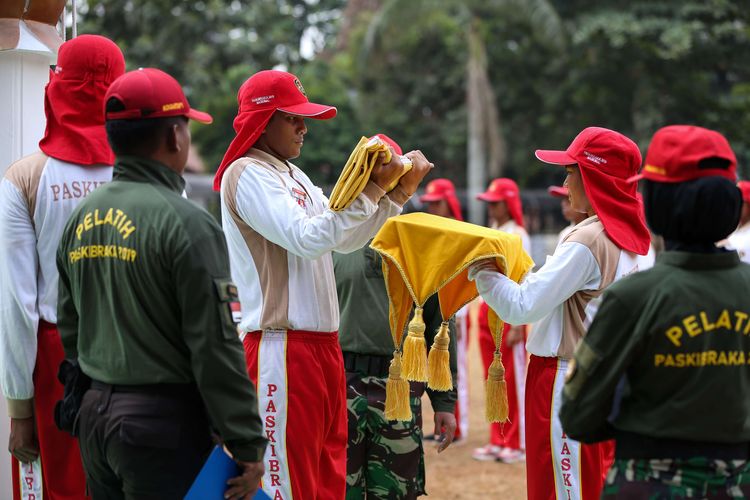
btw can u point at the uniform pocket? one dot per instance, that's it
(150, 432)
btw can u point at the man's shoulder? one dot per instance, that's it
(26, 170)
(639, 286)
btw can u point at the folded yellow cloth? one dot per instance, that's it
(357, 170)
(425, 254)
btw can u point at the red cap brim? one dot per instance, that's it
(490, 197)
(554, 157)
(432, 197)
(635, 178)
(199, 116)
(311, 110)
(558, 191)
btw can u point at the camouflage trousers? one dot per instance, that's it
(384, 460)
(657, 479)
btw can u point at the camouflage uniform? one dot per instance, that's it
(696, 477)
(385, 459)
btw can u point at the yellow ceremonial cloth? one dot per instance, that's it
(425, 254)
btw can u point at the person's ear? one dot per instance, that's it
(173, 144)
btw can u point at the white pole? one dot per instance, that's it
(75, 23)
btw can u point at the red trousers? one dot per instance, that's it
(302, 403)
(62, 474)
(512, 433)
(558, 467)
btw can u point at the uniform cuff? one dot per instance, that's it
(399, 196)
(248, 453)
(373, 192)
(20, 408)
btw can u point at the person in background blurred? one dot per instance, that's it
(507, 441)
(37, 195)
(440, 197)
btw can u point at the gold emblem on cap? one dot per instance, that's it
(299, 86)
(173, 106)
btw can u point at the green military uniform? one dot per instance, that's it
(384, 459)
(665, 369)
(146, 307)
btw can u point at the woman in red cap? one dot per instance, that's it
(740, 239)
(280, 233)
(37, 195)
(562, 297)
(506, 440)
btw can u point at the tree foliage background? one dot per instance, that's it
(401, 67)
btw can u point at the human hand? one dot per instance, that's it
(23, 443)
(487, 264)
(514, 336)
(445, 420)
(384, 174)
(243, 487)
(420, 167)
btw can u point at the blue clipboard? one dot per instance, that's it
(211, 482)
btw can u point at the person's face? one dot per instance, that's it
(178, 141)
(579, 202)
(498, 212)
(283, 136)
(439, 207)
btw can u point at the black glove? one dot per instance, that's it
(75, 383)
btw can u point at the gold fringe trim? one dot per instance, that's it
(397, 405)
(496, 403)
(415, 349)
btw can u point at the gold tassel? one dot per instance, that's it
(397, 405)
(438, 362)
(415, 349)
(497, 392)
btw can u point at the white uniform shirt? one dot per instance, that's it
(280, 234)
(740, 241)
(37, 195)
(541, 297)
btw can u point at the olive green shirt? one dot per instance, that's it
(364, 326)
(667, 356)
(145, 297)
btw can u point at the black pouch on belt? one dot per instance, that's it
(75, 384)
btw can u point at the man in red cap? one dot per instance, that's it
(562, 297)
(37, 195)
(507, 441)
(440, 198)
(740, 239)
(146, 310)
(568, 213)
(663, 368)
(281, 233)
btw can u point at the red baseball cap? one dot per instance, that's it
(606, 160)
(558, 191)
(745, 188)
(259, 98)
(676, 152)
(390, 142)
(506, 190)
(150, 93)
(443, 189)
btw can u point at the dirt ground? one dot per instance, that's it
(454, 474)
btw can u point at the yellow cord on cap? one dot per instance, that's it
(415, 349)
(397, 405)
(438, 362)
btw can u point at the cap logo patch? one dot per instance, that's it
(264, 99)
(592, 157)
(299, 86)
(173, 106)
(655, 170)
